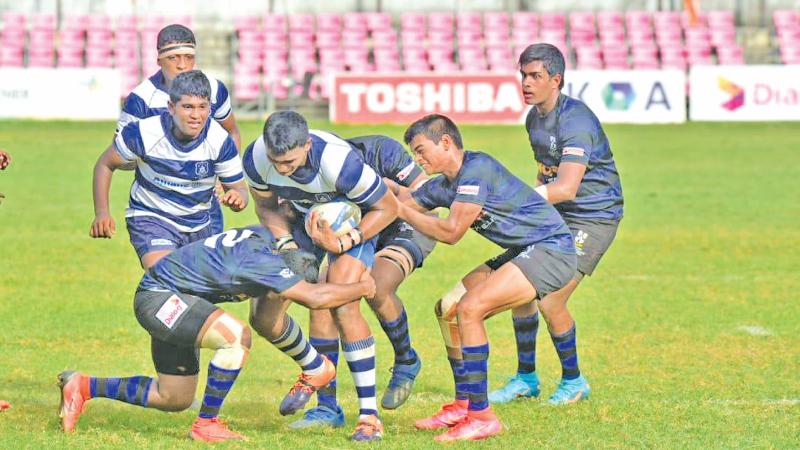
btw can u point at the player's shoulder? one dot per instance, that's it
(573, 109)
(216, 84)
(328, 151)
(216, 134)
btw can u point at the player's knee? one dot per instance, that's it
(450, 300)
(468, 309)
(172, 402)
(231, 339)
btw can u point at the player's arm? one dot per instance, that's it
(270, 216)
(448, 229)
(379, 216)
(330, 295)
(235, 195)
(103, 225)
(565, 186)
(229, 124)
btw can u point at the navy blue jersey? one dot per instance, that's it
(572, 133)
(513, 213)
(332, 170)
(229, 266)
(388, 157)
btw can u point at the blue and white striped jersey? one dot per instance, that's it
(175, 181)
(150, 98)
(333, 169)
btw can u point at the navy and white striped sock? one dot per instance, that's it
(475, 362)
(294, 344)
(330, 348)
(360, 356)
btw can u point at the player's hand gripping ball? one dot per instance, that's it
(342, 216)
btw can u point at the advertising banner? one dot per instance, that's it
(614, 96)
(758, 93)
(76, 94)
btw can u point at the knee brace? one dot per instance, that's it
(398, 256)
(231, 339)
(446, 315)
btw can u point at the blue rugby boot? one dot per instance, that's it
(320, 416)
(401, 384)
(570, 391)
(521, 385)
(305, 386)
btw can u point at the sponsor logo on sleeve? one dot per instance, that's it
(403, 174)
(171, 311)
(468, 189)
(162, 242)
(574, 151)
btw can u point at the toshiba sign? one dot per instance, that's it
(403, 98)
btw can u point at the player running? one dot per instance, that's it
(304, 168)
(176, 303)
(179, 156)
(539, 259)
(400, 250)
(578, 176)
(176, 47)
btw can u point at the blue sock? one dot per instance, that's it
(294, 344)
(397, 331)
(567, 349)
(460, 377)
(330, 348)
(475, 363)
(525, 329)
(220, 381)
(360, 356)
(133, 390)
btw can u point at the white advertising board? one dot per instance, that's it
(630, 96)
(757, 93)
(77, 94)
(653, 96)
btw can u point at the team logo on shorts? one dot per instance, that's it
(287, 273)
(580, 239)
(201, 168)
(171, 311)
(526, 253)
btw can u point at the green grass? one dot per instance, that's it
(709, 246)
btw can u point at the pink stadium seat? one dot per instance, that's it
(246, 88)
(412, 38)
(276, 39)
(98, 58)
(612, 37)
(386, 66)
(43, 21)
(126, 58)
(790, 54)
(246, 23)
(378, 21)
(525, 21)
(495, 21)
(98, 22)
(667, 19)
(152, 22)
(678, 63)
(720, 19)
(702, 21)
(98, 38)
(354, 38)
(70, 57)
(722, 37)
(553, 21)
(669, 36)
(413, 21)
(11, 57)
(440, 21)
(522, 37)
(40, 37)
(355, 21)
(504, 66)
(329, 22)
(581, 37)
(582, 20)
(470, 37)
(609, 19)
(637, 20)
(496, 38)
(14, 19)
(730, 54)
(786, 19)
(386, 38)
(552, 35)
(125, 22)
(329, 38)
(497, 54)
(439, 36)
(301, 39)
(275, 22)
(588, 57)
(301, 23)
(469, 21)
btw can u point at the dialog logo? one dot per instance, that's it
(618, 96)
(735, 91)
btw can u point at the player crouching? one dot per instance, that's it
(539, 259)
(176, 304)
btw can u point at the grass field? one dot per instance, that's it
(689, 332)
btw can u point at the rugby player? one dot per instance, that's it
(577, 174)
(306, 167)
(400, 250)
(176, 303)
(539, 259)
(176, 47)
(179, 156)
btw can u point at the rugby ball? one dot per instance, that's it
(341, 215)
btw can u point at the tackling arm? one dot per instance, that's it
(330, 295)
(449, 229)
